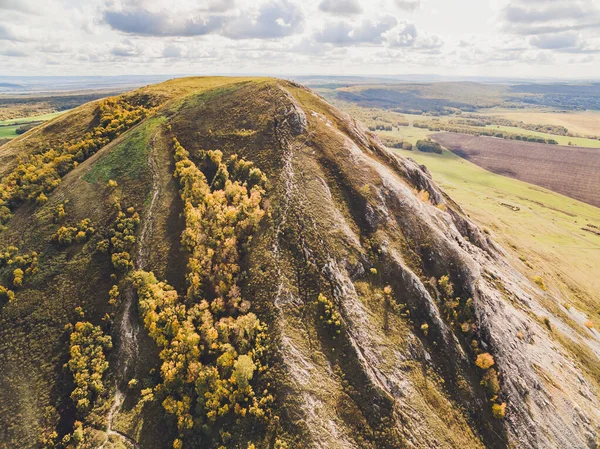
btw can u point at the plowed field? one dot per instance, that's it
(572, 171)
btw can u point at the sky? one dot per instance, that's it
(504, 38)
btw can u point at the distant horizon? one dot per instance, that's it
(428, 77)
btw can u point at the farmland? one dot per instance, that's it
(17, 106)
(9, 128)
(545, 233)
(567, 170)
(580, 122)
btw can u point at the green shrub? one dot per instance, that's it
(429, 146)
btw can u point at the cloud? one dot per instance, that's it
(13, 52)
(6, 34)
(555, 41)
(530, 30)
(365, 32)
(565, 26)
(274, 19)
(430, 42)
(16, 5)
(124, 50)
(563, 42)
(277, 18)
(148, 23)
(520, 14)
(408, 5)
(341, 7)
(405, 36)
(309, 46)
(220, 5)
(172, 51)
(52, 47)
(534, 17)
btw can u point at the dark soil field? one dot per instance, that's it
(571, 171)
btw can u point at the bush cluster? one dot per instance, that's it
(211, 345)
(499, 121)
(122, 239)
(477, 130)
(429, 146)
(22, 265)
(393, 142)
(88, 362)
(88, 350)
(69, 234)
(59, 212)
(459, 313)
(329, 316)
(39, 174)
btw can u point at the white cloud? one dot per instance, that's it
(555, 41)
(403, 36)
(408, 5)
(341, 7)
(6, 33)
(161, 23)
(571, 26)
(368, 31)
(276, 18)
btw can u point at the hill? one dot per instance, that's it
(232, 262)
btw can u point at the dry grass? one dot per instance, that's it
(578, 122)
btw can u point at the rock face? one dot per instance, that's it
(549, 402)
(372, 233)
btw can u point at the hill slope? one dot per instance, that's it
(300, 287)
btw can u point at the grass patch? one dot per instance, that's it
(129, 158)
(8, 132)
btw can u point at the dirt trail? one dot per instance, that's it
(128, 327)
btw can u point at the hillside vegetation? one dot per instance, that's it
(234, 263)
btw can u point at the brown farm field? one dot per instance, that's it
(572, 171)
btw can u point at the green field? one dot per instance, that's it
(8, 128)
(544, 236)
(8, 132)
(410, 134)
(43, 118)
